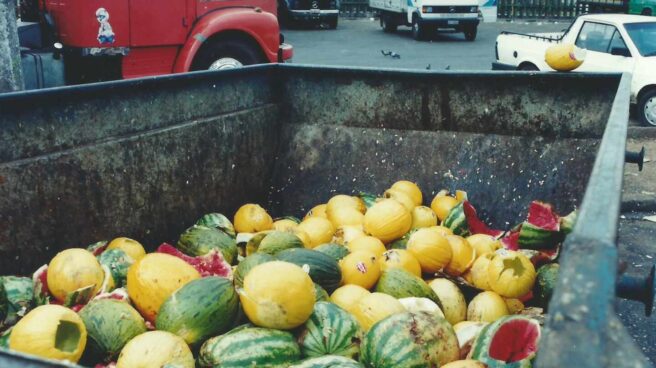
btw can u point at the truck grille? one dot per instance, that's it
(448, 9)
(312, 4)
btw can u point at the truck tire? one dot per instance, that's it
(387, 24)
(646, 12)
(418, 29)
(470, 33)
(647, 108)
(227, 54)
(528, 67)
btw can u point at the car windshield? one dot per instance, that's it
(643, 36)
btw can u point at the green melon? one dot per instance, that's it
(509, 342)
(334, 250)
(278, 241)
(322, 268)
(118, 262)
(456, 221)
(248, 263)
(250, 347)
(400, 283)
(16, 299)
(200, 309)
(217, 221)
(110, 324)
(320, 294)
(330, 330)
(200, 240)
(408, 339)
(545, 283)
(328, 361)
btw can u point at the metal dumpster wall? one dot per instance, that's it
(505, 138)
(140, 159)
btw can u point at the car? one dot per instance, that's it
(613, 43)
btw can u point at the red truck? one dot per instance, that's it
(114, 39)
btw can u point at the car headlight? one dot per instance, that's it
(473, 9)
(427, 9)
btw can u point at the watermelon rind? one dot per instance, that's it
(400, 283)
(534, 237)
(481, 348)
(330, 330)
(200, 309)
(218, 221)
(328, 361)
(250, 347)
(118, 262)
(322, 268)
(409, 340)
(16, 300)
(456, 221)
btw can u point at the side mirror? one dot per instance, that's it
(620, 51)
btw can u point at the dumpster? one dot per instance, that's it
(145, 158)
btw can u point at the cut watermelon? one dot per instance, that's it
(463, 221)
(40, 280)
(511, 240)
(210, 264)
(542, 228)
(511, 341)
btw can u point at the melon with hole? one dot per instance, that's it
(50, 331)
(511, 274)
(509, 342)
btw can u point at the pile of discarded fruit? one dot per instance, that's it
(361, 281)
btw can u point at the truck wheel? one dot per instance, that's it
(388, 25)
(528, 67)
(647, 108)
(418, 29)
(470, 33)
(226, 54)
(646, 12)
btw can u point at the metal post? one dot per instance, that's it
(11, 74)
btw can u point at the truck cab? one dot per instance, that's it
(136, 38)
(426, 16)
(312, 12)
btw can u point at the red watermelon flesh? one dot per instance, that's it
(515, 340)
(542, 215)
(211, 264)
(476, 226)
(511, 240)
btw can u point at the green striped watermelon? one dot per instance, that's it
(457, 221)
(200, 309)
(110, 324)
(217, 221)
(320, 294)
(330, 330)
(334, 250)
(250, 347)
(509, 342)
(118, 262)
(410, 340)
(200, 240)
(278, 241)
(400, 283)
(247, 264)
(328, 361)
(322, 268)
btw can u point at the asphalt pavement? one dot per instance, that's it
(360, 42)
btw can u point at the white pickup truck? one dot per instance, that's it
(425, 16)
(613, 43)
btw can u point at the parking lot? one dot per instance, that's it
(359, 42)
